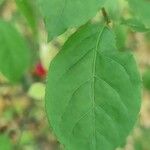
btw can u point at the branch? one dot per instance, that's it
(105, 16)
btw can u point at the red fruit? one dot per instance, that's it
(40, 71)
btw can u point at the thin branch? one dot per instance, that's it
(106, 17)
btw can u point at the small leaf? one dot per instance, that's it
(14, 52)
(135, 25)
(60, 15)
(92, 91)
(5, 143)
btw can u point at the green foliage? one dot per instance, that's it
(121, 37)
(136, 25)
(93, 90)
(113, 8)
(14, 52)
(60, 15)
(27, 8)
(5, 143)
(91, 84)
(141, 8)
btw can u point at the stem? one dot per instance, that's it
(105, 16)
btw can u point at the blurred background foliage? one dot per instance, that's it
(23, 122)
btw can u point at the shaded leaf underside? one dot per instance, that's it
(60, 15)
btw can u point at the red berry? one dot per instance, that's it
(40, 71)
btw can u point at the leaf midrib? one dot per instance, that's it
(95, 50)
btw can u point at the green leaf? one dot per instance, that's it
(5, 143)
(60, 15)
(14, 53)
(141, 8)
(92, 91)
(113, 9)
(121, 36)
(27, 8)
(136, 25)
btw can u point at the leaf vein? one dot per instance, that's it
(123, 104)
(75, 91)
(82, 117)
(118, 64)
(75, 63)
(108, 115)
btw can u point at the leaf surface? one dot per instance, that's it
(93, 91)
(27, 8)
(5, 143)
(121, 36)
(60, 15)
(14, 52)
(136, 25)
(141, 8)
(113, 9)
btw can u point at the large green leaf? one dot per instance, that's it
(141, 8)
(59, 15)
(5, 143)
(93, 91)
(14, 53)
